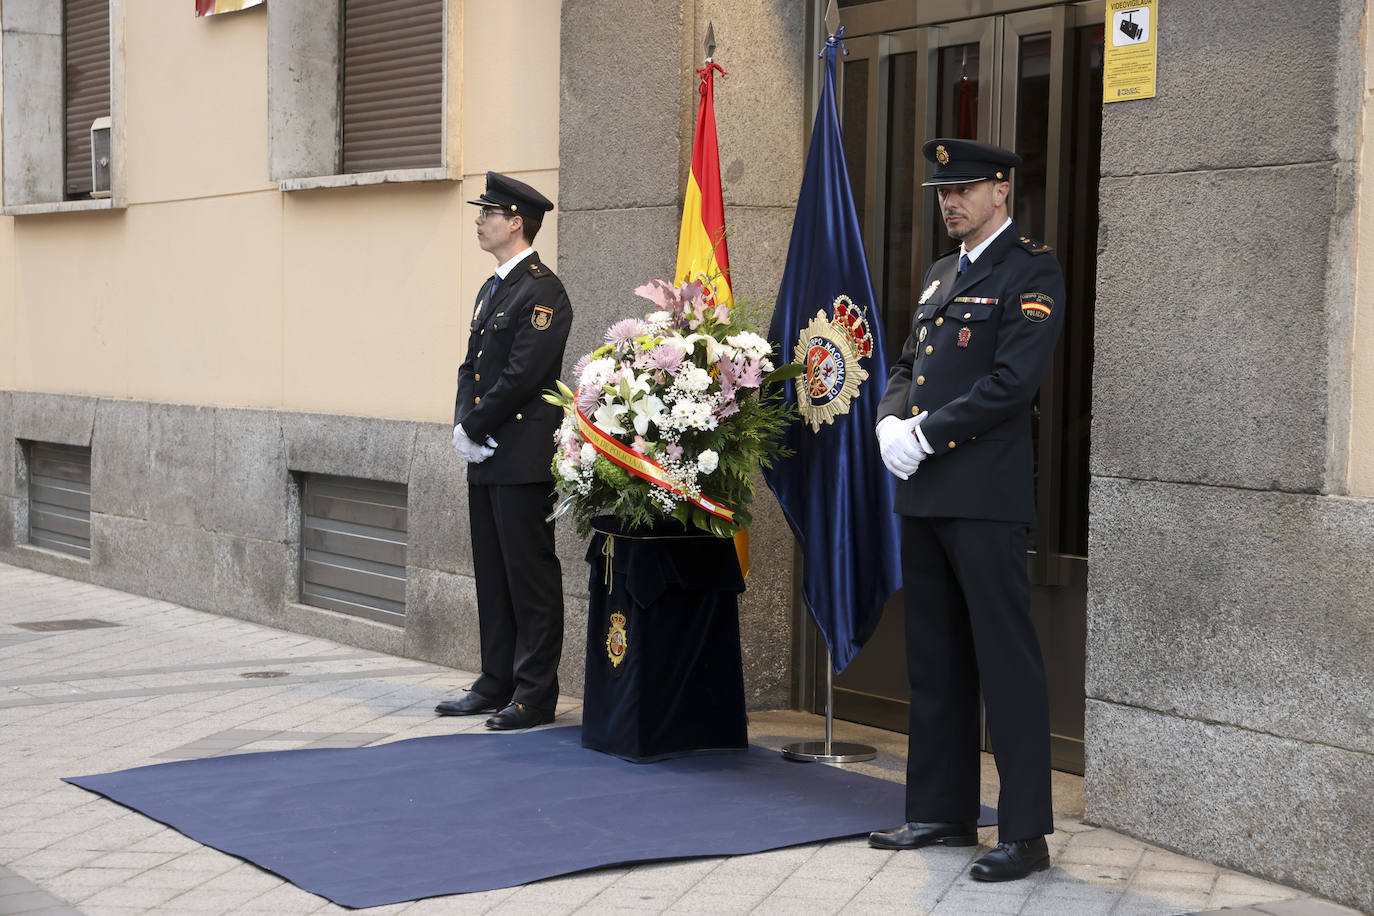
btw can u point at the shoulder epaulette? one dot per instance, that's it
(538, 270)
(1033, 246)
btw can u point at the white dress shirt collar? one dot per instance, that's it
(504, 270)
(973, 255)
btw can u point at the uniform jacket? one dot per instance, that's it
(515, 352)
(978, 348)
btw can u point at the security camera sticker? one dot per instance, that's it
(1131, 27)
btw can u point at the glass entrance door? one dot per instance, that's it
(1031, 81)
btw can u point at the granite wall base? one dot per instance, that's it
(200, 506)
(1296, 812)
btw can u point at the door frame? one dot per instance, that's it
(876, 31)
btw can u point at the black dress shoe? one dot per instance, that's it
(915, 835)
(518, 715)
(472, 703)
(1010, 861)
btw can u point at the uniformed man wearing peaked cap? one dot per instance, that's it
(955, 429)
(504, 428)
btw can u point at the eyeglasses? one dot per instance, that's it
(485, 212)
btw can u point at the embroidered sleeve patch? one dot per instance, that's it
(542, 317)
(1036, 306)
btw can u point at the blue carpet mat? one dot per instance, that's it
(460, 813)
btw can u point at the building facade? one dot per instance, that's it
(228, 382)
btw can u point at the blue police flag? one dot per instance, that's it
(833, 488)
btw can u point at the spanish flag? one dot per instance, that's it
(701, 252)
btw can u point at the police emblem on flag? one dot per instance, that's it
(829, 349)
(617, 641)
(542, 317)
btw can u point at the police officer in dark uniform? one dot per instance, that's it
(504, 428)
(955, 429)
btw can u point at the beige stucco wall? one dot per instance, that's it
(7, 310)
(1361, 474)
(213, 287)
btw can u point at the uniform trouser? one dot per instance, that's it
(967, 610)
(519, 593)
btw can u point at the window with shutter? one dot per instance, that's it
(353, 546)
(392, 84)
(60, 498)
(86, 86)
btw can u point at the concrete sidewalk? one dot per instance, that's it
(93, 680)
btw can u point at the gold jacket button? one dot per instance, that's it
(920, 379)
(915, 410)
(519, 416)
(951, 445)
(929, 349)
(477, 400)
(939, 321)
(967, 315)
(477, 378)
(479, 353)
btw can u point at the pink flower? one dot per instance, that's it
(730, 372)
(639, 444)
(664, 358)
(727, 407)
(660, 294)
(683, 304)
(581, 364)
(674, 451)
(587, 398)
(624, 331)
(752, 376)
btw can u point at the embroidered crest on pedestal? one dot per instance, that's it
(830, 350)
(617, 640)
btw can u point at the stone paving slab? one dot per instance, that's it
(165, 684)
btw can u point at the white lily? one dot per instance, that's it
(709, 343)
(647, 410)
(607, 418)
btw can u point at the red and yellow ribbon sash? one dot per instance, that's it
(642, 466)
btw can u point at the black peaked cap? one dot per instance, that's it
(514, 197)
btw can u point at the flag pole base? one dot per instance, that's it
(835, 752)
(829, 750)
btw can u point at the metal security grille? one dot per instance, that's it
(86, 86)
(60, 498)
(353, 546)
(393, 84)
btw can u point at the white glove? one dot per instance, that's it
(897, 443)
(474, 453)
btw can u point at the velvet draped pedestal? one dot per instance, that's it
(664, 676)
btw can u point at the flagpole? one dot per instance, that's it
(829, 750)
(819, 269)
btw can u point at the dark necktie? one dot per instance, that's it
(964, 263)
(495, 282)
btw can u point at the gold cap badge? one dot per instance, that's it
(942, 155)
